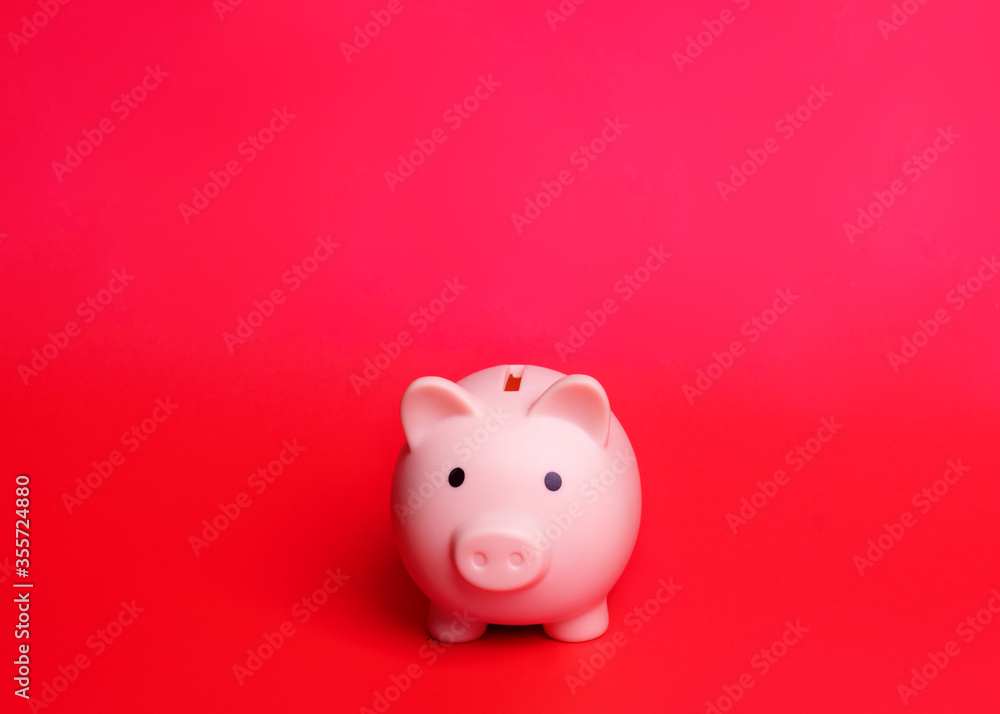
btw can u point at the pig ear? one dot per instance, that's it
(427, 401)
(580, 400)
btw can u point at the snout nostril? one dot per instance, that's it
(497, 555)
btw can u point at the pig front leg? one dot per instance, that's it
(587, 626)
(455, 626)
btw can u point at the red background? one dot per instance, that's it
(64, 232)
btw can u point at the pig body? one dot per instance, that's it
(515, 501)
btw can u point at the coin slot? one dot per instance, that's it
(513, 381)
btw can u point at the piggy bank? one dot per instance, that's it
(515, 500)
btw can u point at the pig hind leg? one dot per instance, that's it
(587, 626)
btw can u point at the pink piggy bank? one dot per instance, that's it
(515, 501)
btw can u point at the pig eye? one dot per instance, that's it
(553, 481)
(457, 476)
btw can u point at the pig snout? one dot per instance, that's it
(496, 553)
